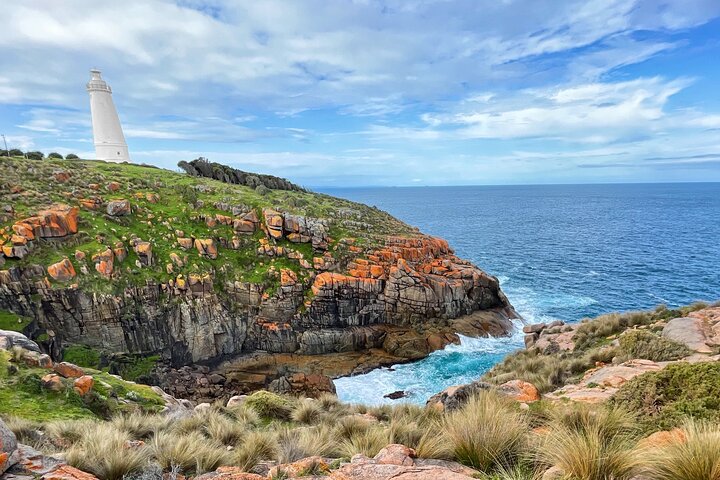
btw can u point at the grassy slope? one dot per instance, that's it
(21, 395)
(348, 219)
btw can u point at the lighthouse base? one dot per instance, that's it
(112, 152)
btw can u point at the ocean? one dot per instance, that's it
(561, 252)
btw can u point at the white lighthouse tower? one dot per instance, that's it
(107, 133)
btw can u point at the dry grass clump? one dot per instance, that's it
(141, 425)
(103, 450)
(307, 411)
(223, 429)
(65, 433)
(244, 414)
(597, 444)
(698, 458)
(257, 445)
(191, 452)
(367, 442)
(487, 433)
(26, 431)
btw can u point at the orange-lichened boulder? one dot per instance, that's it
(247, 223)
(104, 262)
(230, 473)
(113, 186)
(206, 247)
(66, 472)
(185, 243)
(118, 208)
(520, 391)
(83, 385)
(273, 222)
(288, 278)
(144, 252)
(62, 271)
(57, 221)
(52, 382)
(68, 370)
(62, 177)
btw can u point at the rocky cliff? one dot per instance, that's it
(256, 285)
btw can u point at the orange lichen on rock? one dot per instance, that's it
(62, 271)
(57, 221)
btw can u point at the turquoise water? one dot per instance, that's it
(560, 252)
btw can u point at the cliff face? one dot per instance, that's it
(232, 281)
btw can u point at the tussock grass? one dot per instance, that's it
(244, 414)
(103, 451)
(307, 411)
(192, 452)
(367, 442)
(223, 429)
(698, 458)
(486, 433)
(26, 431)
(591, 444)
(257, 445)
(141, 425)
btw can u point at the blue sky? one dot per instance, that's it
(364, 92)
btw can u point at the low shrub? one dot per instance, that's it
(649, 346)
(664, 399)
(270, 405)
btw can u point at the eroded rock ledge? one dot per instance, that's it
(397, 304)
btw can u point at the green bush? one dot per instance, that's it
(55, 155)
(82, 356)
(649, 346)
(664, 399)
(270, 405)
(71, 156)
(34, 155)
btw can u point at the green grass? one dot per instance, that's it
(367, 225)
(11, 321)
(22, 395)
(82, 355)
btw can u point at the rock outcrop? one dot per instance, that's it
(224, 284)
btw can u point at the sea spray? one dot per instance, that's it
(454, 365)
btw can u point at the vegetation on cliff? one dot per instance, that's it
(161, 204)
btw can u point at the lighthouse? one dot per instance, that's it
(107, 133)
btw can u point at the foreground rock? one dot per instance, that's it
(456, 396)
(699, 331)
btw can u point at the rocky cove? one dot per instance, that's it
(340, 306)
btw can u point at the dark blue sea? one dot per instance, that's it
(560, 252)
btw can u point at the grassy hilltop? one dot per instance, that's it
(164, 202)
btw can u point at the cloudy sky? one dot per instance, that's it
(365, 92)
